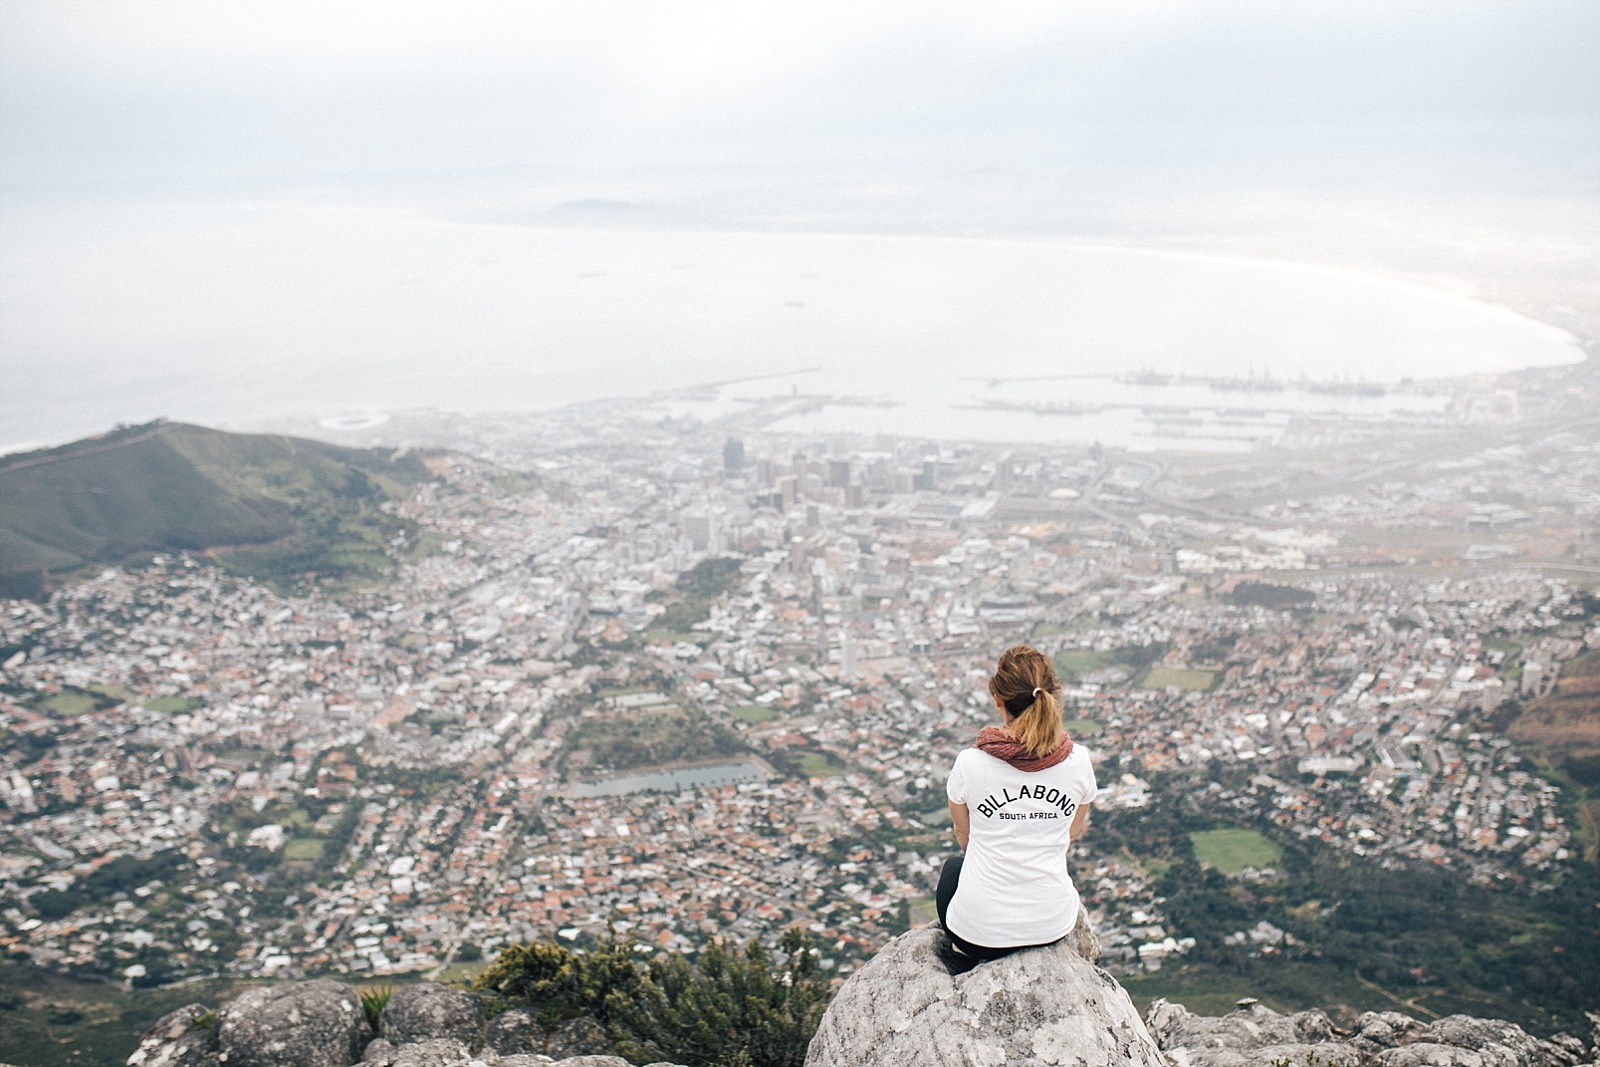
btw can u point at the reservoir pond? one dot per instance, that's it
(676, 780)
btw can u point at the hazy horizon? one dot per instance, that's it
(1450, 145)
(394, 314)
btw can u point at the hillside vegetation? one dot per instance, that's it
(729, 1007)
(1564, 728)
(265, 505)
(1365, 936)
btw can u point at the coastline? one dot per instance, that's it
(360, 396)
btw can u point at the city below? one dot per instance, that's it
(688, 679)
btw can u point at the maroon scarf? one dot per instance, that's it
(999, 743)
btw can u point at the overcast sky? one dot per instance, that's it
(207, 98)
(207, 205)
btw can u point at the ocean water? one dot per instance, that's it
(237, 314)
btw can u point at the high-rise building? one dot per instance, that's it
(733, 455)
(697, 528)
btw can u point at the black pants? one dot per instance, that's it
(949, 878)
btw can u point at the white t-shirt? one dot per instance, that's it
(1015, 889)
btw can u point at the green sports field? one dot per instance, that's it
(1231, 851)
(1163, 677)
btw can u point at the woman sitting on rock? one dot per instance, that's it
(1017, 800)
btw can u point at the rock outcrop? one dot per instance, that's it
(177, 1040)
(430, 1010)
(323, 1023)
(1257, 1036)
(1034, 1008)
(513, 1032)
(1054, 1006)
(308, 1024)
(912, 1004)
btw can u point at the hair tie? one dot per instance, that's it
(1036, 692)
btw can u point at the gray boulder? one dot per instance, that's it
(430, 1010)
(1257, 1036)
(1253, 1036)
(1378, 1030)
(307, 1024)
(514, 1033)
(575, 1039)
(1461, 1041)
(572, 1061)
(1034, 1008)
(379, 1053)
(434, 1052)
(445, 1052)
(177, 1040)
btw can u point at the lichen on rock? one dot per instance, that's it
(430, 1010)
(432, 1052)
(307, 1024)
(177, 1040)
(514, 1032)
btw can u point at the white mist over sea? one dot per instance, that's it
(233, 316)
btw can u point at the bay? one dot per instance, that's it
(236, 314)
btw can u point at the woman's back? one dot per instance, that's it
(1015, 888)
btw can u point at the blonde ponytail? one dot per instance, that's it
(1021, 673)
(1040, 727)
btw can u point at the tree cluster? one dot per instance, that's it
(729, 1007)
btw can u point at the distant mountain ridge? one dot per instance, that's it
(269, 505)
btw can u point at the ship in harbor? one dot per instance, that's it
(1038, 407)
(1147, 376)
(1250, 384)
(1345, 387)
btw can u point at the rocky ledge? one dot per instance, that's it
(913, 1004)
(1256, 1036)
(1053, 1006)
(323, 1024)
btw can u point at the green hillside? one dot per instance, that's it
(270, 506)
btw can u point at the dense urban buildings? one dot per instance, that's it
(684, 680)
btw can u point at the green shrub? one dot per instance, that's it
(543, 974)
(730, 1008)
